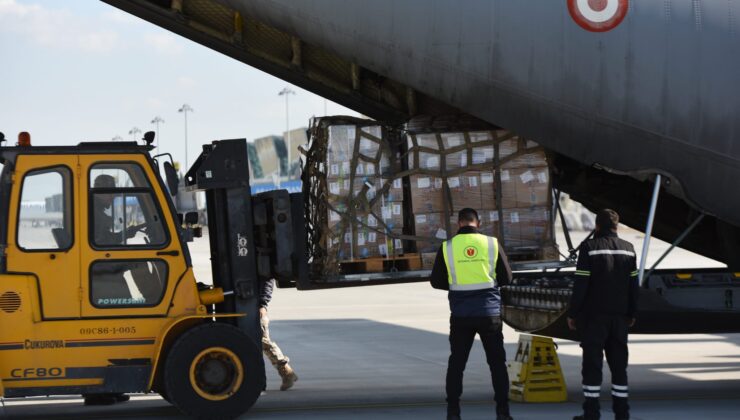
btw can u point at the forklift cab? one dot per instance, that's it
(97, 292)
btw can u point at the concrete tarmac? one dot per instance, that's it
(381, 352)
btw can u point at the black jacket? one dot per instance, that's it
(475, 302)
(606, 278)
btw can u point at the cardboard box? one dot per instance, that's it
(424, 152)
(433, 227)
(360, 241)
(525, 187)
(343, 141)
(527, 228)
(372, 243)
(474, 156)
(465, 190)
(390, 189)
(427, 194)
(516, 153)
(487, 189)
(427, 260)
(489, 220)
(388, 216)
(369, 234)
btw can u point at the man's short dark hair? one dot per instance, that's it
(467, 215)
(104, 181)
(607, 219)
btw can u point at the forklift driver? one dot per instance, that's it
(111, 282)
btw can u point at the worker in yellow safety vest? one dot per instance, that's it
(472, 266)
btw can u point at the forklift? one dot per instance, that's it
(97, 291)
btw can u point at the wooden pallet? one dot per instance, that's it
(406, 262)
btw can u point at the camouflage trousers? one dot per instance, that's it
(269, 347)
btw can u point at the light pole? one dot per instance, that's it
(134, 131)
(287, 91)
(185, 108)
(116, 138)
(156, 121)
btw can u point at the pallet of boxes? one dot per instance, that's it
(355, 207)
(383, 199)
(501, 175)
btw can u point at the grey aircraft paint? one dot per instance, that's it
(645, 86)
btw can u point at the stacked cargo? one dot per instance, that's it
(525, 198)
(363, 198)
(376, 193)
(505, 178)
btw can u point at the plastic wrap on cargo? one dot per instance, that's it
(354, 200)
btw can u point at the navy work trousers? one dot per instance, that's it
(604, 334)
(462, 336)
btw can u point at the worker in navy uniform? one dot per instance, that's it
(472, 266)
(602, 309)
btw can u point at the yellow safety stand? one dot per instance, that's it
(535, 373)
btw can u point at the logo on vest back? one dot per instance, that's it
(471, 252)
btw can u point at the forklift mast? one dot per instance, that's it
(253, 238)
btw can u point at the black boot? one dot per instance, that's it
(453, 411)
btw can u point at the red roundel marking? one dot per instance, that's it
(471, 252)
(598, 15)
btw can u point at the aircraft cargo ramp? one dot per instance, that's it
(652, 92)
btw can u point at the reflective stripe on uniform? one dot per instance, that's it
(620, 387)
(634, 273)
(611, 252)
(451, 261)
(492, 253)
(591, 391)
(582, 273)
(476, 286)
(620, 394)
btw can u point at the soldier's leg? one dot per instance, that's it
(276, 356)
(462, 335)
(617, 356)
(593, 338)
(492, 337)
(269, 347)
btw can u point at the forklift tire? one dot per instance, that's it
(214, 371)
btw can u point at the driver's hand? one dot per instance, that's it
(132, 230)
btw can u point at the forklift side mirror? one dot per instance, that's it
(191, 218)
(173, 182)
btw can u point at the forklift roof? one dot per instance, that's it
(9, 153)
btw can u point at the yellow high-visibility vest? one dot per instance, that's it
(471, 261)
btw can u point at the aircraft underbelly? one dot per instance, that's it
(655, 94)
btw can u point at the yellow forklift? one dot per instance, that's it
(97, 292)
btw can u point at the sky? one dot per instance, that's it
(81, 70)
